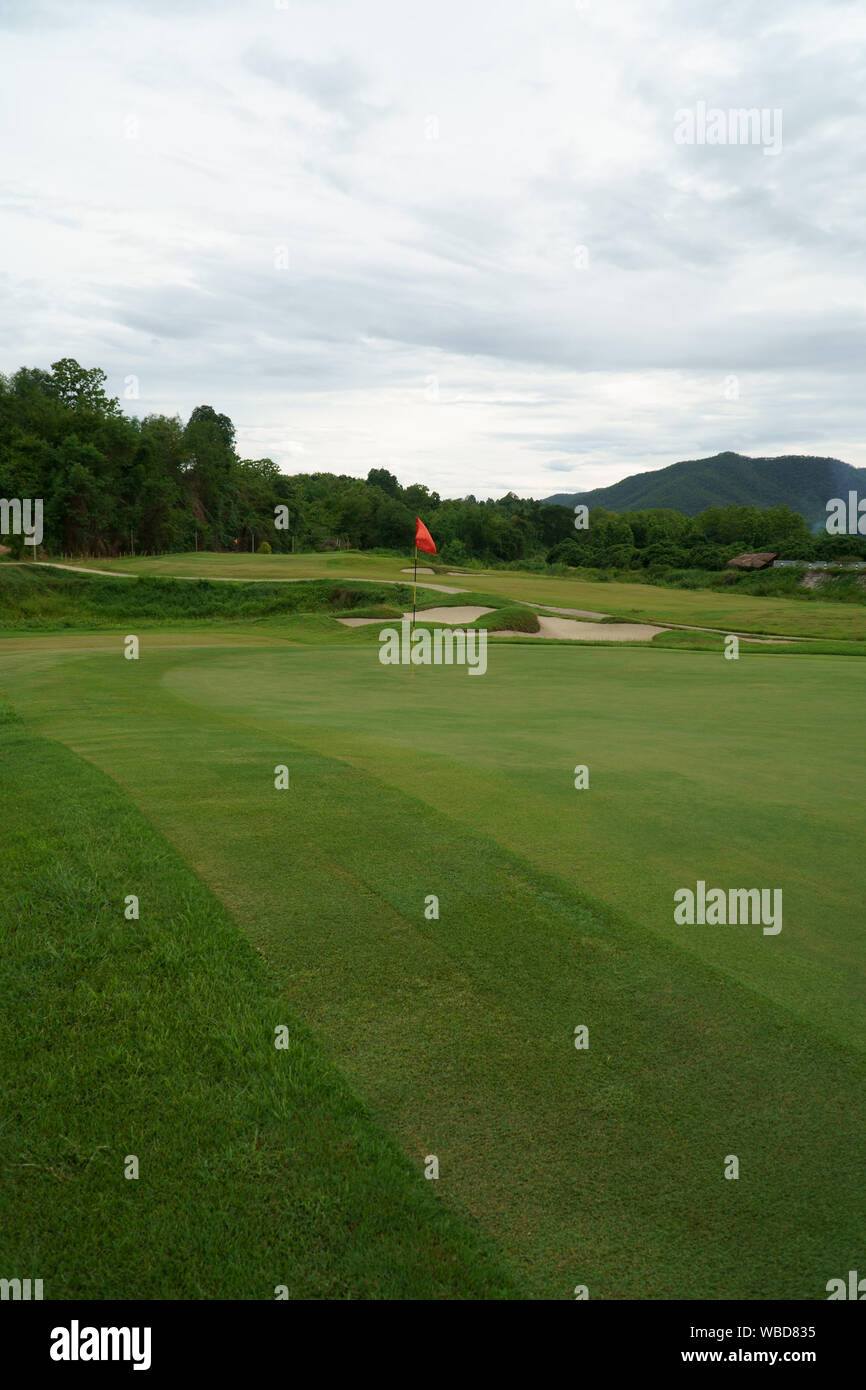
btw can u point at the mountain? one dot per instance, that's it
(798, 481)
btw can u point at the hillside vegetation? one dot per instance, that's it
(113, 485)
(803, 483)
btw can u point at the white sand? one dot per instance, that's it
(452, 617)
(565, 628)
(421, 570)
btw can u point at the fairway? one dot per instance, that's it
(604, 1166)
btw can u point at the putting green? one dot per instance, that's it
(602, 1167)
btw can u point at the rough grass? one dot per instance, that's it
(46, 599)
(835, 585)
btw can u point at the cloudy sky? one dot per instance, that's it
(458, 240)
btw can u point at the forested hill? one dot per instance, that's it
(111, 483)
(803, 483)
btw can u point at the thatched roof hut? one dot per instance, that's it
(754, 560)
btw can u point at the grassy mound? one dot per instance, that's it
(155, 1038)
(39, 598)
(513, 618)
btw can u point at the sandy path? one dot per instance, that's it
(80, 569)
(246, 579)
(569, 612)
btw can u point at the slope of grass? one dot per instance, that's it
(155, 1038)
(603, 1167)
(38, 597)
(732, 611)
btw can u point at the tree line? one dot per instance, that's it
(113, 483)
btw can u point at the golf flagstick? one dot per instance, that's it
(427, 544)
(414, 596)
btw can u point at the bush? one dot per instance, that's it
(264, 548)
(512, 619)
(709, 557)
(454, 552)
(665, 555)
(566, 552)
(16, 546)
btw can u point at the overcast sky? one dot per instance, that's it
(355, 226)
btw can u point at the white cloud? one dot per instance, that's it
(302, 215)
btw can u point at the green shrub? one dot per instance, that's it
(264, 548)
(454, 552)
(513, 619)
(566, 552)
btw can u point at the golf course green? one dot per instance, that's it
(450, 1031)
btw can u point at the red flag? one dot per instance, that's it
(423, 539)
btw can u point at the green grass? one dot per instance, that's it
(155, 1037)
(41, 598)
(602, 1167)
(512, 617)
(731, 610)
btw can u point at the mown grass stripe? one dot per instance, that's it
(156, 1038)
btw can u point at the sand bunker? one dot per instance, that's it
(452, 616)
(420, 571)
(566, 628)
